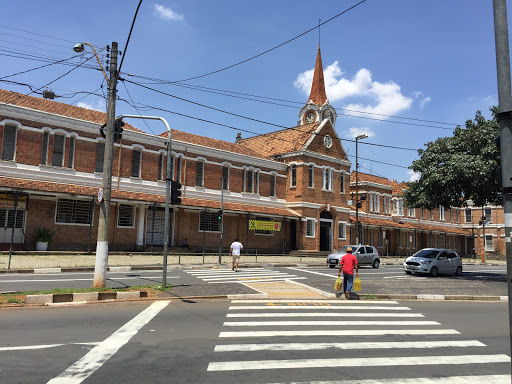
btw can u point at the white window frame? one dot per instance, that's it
(293, 175)
(488, 217)
(441, 213)
(489, 243)
(272, 186)
(44, 147)
(71, 152)
(466, 210)
(139, 170)
(211, 218)
(225, 178)
(132, 207)
(63, 149)
(200, 166)
(411, 212)
(312, 231)
(74, 202)
(327, 178)
(99, 164)
(311, 175)
(342, 230)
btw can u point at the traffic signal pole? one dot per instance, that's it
(505, 120)
(101, 264)
(168, 181)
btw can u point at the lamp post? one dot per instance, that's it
(101, 264)
(360, 137)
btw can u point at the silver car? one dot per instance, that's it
(434, 261)
(365, 254)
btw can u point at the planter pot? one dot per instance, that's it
(41, 246)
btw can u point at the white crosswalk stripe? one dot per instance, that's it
(367, 336)
(246, 275)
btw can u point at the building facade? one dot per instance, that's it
(298, 180)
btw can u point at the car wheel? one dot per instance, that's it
(458, 272)
(376, 263)
(331, 266)
(434, 272)
(408, 272)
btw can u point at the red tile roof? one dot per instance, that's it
(411, 226)
(370, 178)
(55, 107)
(279, 142)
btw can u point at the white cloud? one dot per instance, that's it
(413, 176)
(356, 131)
(424, 101)
(167, 13)
(98, 106)
(383, 98)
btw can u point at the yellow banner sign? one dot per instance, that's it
(262, 225)
(7, 201)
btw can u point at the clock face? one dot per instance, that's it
(310, 117)
(328, 141)
(327, 114)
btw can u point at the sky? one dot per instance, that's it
(402, 72)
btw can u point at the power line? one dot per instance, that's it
(42, 66)
(129, 35)
(271, 49)
(34, 33)
(252, 119)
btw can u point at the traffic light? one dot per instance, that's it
(219, 213)
(118, 129)
(175, 192)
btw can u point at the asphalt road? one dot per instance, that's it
(389, 279)
(256, 342)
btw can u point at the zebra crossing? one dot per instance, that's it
(246, 275)
(348, 340)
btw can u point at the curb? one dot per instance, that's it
(85, 297)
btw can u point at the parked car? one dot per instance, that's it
(434, 261)
(365, 254)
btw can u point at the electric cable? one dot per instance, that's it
(129, 36)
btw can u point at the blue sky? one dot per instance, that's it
(430, 60)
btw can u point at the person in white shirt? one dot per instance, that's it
(234, 252)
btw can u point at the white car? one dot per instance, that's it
(434, 261)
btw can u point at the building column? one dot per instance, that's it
(141, 214)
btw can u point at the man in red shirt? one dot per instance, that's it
(347, 264)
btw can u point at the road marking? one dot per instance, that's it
(319, 301)
(86, 279)
(95, 358)
(358, 345)
(334, 332)
(326, 322)
(316, 273)
(227, 271)
(345, 314)
(43, 346)
(308, 307)
(482, 379)
(358, 362)
(256, 280)
(243, 275)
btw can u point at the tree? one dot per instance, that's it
(459, 168)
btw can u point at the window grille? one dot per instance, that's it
(125, 216)
(342, 182)
(71, 154)
(311, 175)
(342, 230)
(73, 212)
(199, 174)
(44, 152)
(9, 142)
(136, 158)
(225, 177)
(58, 150)
(100, 155)
(160, 166)
(256, 182)
(7, 218)
(488, 215)
(272, 185)
(489, 245)
(293, 175)
(209, 222)
(178, 169)
(310, 227)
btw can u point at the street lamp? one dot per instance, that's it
(360, 137)
(101, 264)
(78, 48)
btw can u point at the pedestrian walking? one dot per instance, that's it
(347, 265)
(234, 252)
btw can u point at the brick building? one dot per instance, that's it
(298, 178)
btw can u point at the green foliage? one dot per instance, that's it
(459, 168)
(43, 234)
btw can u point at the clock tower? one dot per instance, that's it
(317, 108)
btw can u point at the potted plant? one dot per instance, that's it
(42, 237)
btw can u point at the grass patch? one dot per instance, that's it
(368, 297)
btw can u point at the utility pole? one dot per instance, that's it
(505, 120)
(357, 190)
(100, 268)
(222, 220)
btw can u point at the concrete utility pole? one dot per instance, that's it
(357, 190)
(505, 120)
(222, 220)
(100, 268)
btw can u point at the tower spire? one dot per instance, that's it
(317, 94)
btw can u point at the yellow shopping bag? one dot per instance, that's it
(357, 284)
(338, 285)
